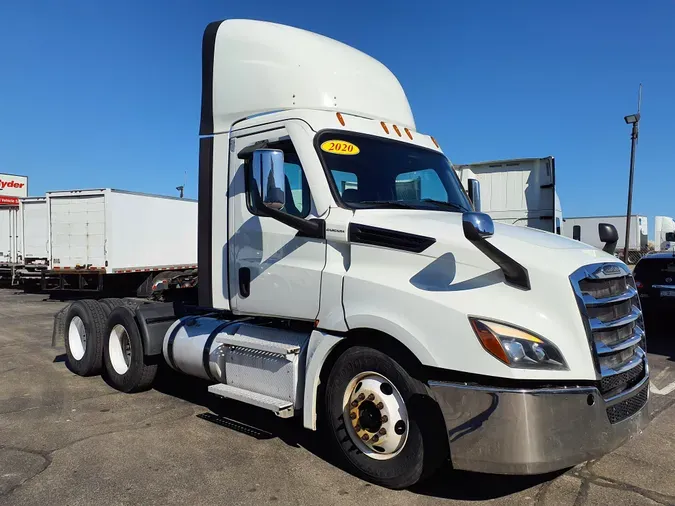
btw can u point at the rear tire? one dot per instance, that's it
(110, 303)
(391, 436)
(125, 366)
(83, 331)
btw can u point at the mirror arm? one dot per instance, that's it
(308, 228)
(514, 273)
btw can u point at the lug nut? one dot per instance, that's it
(362, 396)
(357, 428)
(383, 431)
(384, 419)
(354, 404)
(371, 397)
(380, 405)
(365, 437)
(376, 438)
(352, 415)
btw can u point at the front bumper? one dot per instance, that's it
(533, 431)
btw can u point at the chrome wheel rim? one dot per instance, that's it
(375, 416)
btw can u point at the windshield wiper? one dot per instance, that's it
(450, 205)
(386, 203)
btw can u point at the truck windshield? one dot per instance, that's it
(372, 172)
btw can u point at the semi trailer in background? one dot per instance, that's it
(664, 233)
(33, 239)
(10, 249)
(118, 241)
(585, 229)
(519, 191)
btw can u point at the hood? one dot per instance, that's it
(534, 249)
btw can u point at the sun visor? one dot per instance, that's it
(252, 67)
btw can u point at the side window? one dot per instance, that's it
(420, 184)
(298, 198)
(576, 232)
(557, 226)
(670, 236)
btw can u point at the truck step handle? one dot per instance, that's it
(244, 282)
(281, 408)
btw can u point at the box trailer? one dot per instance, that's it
(33, 237)
(10, 242)
(110, 236)
(519, 192)
(585, 229)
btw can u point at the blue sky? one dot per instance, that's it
(101, 94)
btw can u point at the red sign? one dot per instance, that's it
(9, 201)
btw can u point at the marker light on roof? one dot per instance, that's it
(408, 132)
(436, 143)
(384, 127)
(340, 118)
(397, 130)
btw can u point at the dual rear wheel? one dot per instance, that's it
(103, 337)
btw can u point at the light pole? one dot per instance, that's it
(632, 119)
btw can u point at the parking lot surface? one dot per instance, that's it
(71, 440)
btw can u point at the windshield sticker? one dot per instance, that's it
(340, 147)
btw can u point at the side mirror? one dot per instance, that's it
(268, 174)
(474, 193)
(609, 236)
(477, 226)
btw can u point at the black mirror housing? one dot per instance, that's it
(608, 235)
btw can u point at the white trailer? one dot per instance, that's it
(518, 192)
(101, 234)
(585, 229)
(33, 237)
(664, 233)
(10, 242)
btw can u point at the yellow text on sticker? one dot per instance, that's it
(340, 147)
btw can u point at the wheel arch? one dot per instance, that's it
(324, 349)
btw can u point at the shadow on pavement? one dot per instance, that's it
(261, 424)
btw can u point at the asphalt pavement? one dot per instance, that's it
(71, 440)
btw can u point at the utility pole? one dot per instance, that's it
(633, 119)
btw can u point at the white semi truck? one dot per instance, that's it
(664, 233)
(411, 329)
(585, 229)
(518, 191)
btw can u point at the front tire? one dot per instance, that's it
(125, 366)
(380, 421)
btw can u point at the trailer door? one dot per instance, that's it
(77, 231)
(5, 235)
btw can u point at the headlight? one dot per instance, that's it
(516, 347)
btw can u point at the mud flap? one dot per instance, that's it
(59, 330)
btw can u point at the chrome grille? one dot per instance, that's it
(610, 307)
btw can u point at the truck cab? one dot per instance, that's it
(345, 274)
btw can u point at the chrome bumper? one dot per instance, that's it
(520, 431)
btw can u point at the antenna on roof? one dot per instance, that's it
(181, 188)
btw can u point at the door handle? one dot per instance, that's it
(244, 282)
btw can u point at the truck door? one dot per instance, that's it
(274, 271)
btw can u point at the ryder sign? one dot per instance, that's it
(12, 188)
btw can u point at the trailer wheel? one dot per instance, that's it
(125, 366)
(381, 419)
(83, 329)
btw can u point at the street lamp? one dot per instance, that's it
(632, 119)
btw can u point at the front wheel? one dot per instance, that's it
(381, 420)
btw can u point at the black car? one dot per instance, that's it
(655, 280)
